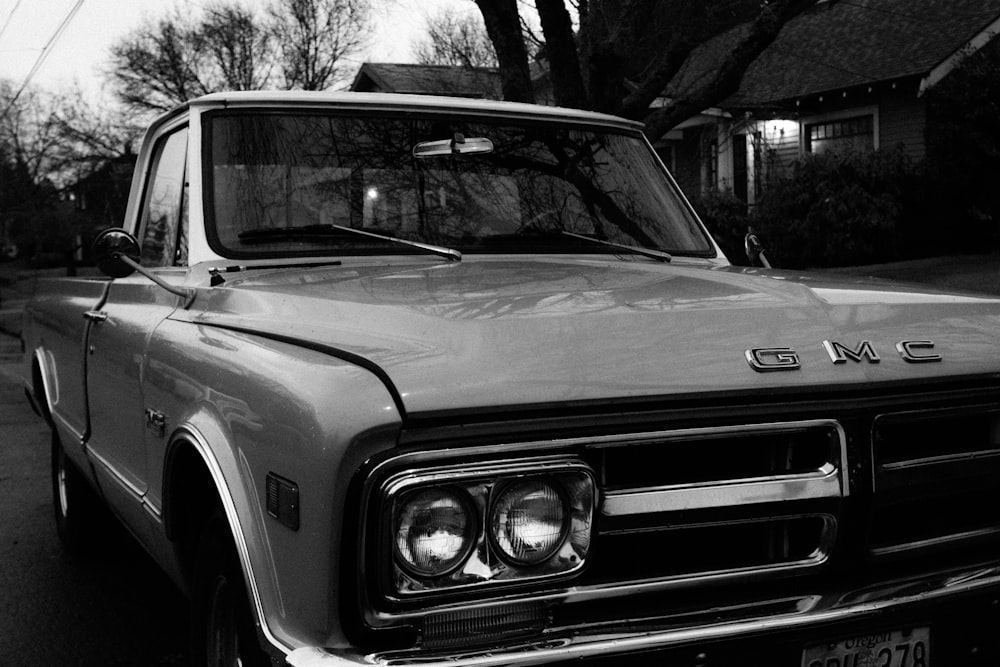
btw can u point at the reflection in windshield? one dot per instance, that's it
(276, 172)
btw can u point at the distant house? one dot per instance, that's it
(101, 195)
(481, 83)
(845, 74)
(475, 82)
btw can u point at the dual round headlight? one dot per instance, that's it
(528, 521)
(436, 528)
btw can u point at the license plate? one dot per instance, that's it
(910, 647)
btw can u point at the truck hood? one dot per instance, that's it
(492, 333)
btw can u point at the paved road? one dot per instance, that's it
(114, 610)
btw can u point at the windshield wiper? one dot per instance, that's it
(326, 231)
(448, 253)
(658, 255)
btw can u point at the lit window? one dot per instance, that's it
(840, 136)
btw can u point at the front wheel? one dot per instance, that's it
(222, 623)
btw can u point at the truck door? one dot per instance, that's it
(124, 324)
(57, 325)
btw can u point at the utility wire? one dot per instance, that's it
(9, 16)
(46, 50)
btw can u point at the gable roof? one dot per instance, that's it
(840, 44)
(428, 80)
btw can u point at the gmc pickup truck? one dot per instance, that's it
(392, 380)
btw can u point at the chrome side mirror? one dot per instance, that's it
(117, 254)
(110, 246)
(755, 251)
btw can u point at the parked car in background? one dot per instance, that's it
(390, 380)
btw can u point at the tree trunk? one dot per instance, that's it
(564, 66)
(503, 23)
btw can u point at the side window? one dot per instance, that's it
(163, 224)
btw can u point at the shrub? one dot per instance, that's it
(838, 210)
(963, 151)
(727, 220)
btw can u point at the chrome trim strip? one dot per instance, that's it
(43, 371)
(128, 486)
(58, 420)
(824, 483)
(943, 458)
(198, 441)
(77, 436)
(152, 510)
(604, 641)
(405, 479)
(935, 541)
(712, 433)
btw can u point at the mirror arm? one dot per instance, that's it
(185, 293)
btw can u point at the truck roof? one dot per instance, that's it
(401, 102)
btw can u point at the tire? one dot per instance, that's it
(223, 630)
(76, 508)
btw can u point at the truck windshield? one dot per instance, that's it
(281, 184)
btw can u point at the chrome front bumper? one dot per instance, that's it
(808, 611)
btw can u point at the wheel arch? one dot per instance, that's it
(40, 395)
(194, 486)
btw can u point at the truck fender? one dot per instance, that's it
(196, 433)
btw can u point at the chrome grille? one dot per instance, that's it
(935, 475)
(718, 503)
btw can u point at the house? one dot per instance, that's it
(476, 82)
(846, 74)
(102, 194)
(482, 83)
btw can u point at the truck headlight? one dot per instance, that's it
(434, 530)
(528, 521)
(458, 527)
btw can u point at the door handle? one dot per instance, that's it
(95, 315)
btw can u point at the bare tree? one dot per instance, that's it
(618, 57)
(158, 67)
(315, 37)
(169, 61)
(29, 136)
(455, 39)
(92, 134)
(31, 212)
(239, 45)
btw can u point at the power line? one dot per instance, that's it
(9, 16)
(46, 50)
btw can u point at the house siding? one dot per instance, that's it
(686, 167)
(902, 120)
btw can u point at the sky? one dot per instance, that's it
(80, 54)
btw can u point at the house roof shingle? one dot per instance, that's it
(428, 80)
(841, 44)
